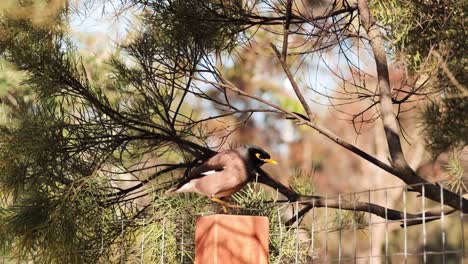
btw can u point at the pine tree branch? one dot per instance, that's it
(315, 201)
(403, 170)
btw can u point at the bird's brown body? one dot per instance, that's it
(232, 177)
(223, 182)
(224, 174)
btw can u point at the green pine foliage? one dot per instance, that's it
(456, 171)
(415, 27)
(185, 28)
(285, 246)
(60, 157)
(445, 123)
(418, 30)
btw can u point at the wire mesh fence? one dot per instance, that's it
(326, 234)
(341, 236)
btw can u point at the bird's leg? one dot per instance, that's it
(224, 204)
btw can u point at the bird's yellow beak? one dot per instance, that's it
(271, 161)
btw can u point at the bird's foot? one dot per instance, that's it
(225, 205)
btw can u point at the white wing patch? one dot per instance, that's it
(188, 187)
(206, 173)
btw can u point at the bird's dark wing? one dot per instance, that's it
(216, 163)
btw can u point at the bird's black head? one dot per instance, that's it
(258, 156)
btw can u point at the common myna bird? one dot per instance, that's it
(224, 174)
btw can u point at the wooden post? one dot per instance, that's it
(225, 239)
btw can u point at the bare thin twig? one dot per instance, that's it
(293, 83)
(286, 29)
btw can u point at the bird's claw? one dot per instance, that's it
(225, 205)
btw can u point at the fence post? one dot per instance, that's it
(225, 239)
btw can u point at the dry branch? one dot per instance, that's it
(311, 202)
(406, 174)
(403, 170)
(298, 92)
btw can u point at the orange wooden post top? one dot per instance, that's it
(225, 239)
